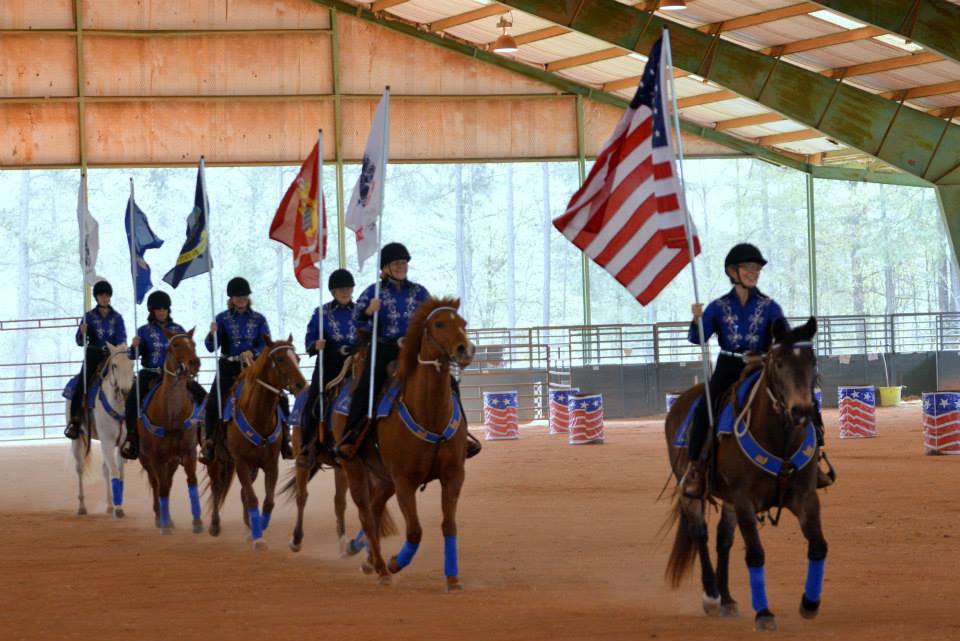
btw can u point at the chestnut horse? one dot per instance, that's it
(167, 430)
(421, 437)
(338, 389)
(253, 436)
(768, 462)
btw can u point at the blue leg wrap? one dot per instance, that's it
(360, 541)
(164, 511)
(450, 556)
(758, 588)
(407, 553)
(814, 580)
(256, 531)
(265, 520)
(116, 486)
(194, 493)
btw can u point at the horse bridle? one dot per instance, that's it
(426, 334)
(778, 404)
(108, 367)
(273, 362)
(180, 365)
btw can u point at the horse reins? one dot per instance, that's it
(270, 356)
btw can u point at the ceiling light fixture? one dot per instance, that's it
(672, 5)
(505, 43)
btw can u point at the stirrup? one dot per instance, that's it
(72, 430)
(825, 478)
(473, 445)
(129, 450)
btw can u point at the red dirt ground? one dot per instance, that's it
(557, 542)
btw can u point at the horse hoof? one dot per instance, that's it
(214, 530)
(711, 605)
(109, 509)
(81, 511)
(729, 610)
(393, 566)
(809, 609)
(384, 579)
(366, 568)
(156, 523)
(344, 545)
(166, 531)
(453, 584)
(294, 546)
(259, 545)
(198, 527)
(118, 513)
(765, 621)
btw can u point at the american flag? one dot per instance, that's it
(586, 419)
(500, 415)
(628, 216)
(857, 412)
(941, 422)
(559, 413)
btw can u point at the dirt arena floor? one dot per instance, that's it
(557, 542)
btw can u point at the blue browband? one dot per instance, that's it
(233, 411)
(391, 397)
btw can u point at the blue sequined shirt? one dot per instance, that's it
(102, 330)
(153, 342)
(398, 302)
(739, 328)
(339, 329)
(239, 333)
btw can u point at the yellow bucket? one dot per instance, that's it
(890, 396)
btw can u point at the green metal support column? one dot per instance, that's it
(338, 140)
(931, 23)
(582, 166)
(812, 245)
(948, 197)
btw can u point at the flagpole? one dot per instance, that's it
(318, 232)
(133, 274)
(376, 291)
(704, 348)
(213, 309)
(83, 264)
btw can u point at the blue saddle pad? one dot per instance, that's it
(726, 418)
(71, 387)
(296, 414)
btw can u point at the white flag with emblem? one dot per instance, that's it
(366, 202)
(89, 236)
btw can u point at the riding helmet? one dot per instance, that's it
(102, 287)
(158, 300)
(392, 252)
(238, 287)
(744, 253)
(340, 278)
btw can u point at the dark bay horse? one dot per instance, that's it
(421, 437)
(167, 430)
(769, 461)
(253, 436)
(338, 389)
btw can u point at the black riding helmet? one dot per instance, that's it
(158, 300)
(340, 278)
(392, 252)
(238, 287)
(744, 253)
(102, 287)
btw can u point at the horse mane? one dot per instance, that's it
(411, 342)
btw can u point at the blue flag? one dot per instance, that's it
(194, 257)
(143, 239)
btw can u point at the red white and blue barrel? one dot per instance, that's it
(500, 416)
(858, 411)
(559, 414)
(586, 419)
(671, 399)
(941, 423)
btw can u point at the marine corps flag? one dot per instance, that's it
(301, 224)
(194, 257)
(141, 238)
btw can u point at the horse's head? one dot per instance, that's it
(437, 335)
(119, 371)
(282, 366)
(181, 360)
(791, 369)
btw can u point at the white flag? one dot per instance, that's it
(363, 211)
(89, 236)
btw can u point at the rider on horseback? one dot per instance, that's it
(339, 337)
(241, 334)
(101, 325)
(153, 351)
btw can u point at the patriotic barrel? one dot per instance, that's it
(858, 408)
(559, 416)
(586, 419)
(500, 416)
(941, 423)
(671, 399)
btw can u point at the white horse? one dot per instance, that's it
(108, 417)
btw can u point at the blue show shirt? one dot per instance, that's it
(739, 328)
(102, 330)
(153, 342)
(239, 332)
(339, 329)
(398, 302)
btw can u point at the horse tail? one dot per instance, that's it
(219, 478)
(289, 489)
(388, 527)
(684, 551)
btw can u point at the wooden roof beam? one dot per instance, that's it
(465, 18)
(790, 136)
(705, 99)
(540, 34)
(889, 64)
(924, 91)
(748, 121)
(585, 59)
(763, 17)
(820, 42)
(380, 5)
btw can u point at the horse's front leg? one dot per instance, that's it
(76, 446)
(251, 504)
(165, 483)
(407, 498)
(112, 469)
(726, 529)
(271, 472)
(809, 516)
(450, 494)
(747, 519)
(360, 491)
(340, 508)
(188, 454)
(300, 487)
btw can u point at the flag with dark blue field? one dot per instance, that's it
(194, 257)
(143, 239)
